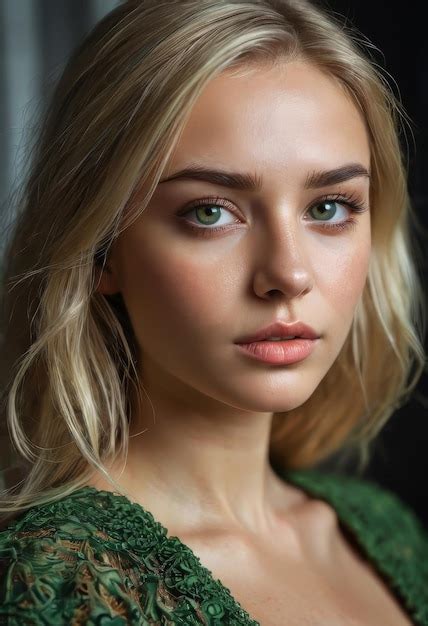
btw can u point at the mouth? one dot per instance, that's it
(280, 332)
(279, 352)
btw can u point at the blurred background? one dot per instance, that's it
(36, 38)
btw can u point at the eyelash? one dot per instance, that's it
(355, 204)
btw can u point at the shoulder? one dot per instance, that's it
(68, 562)
(384, 528)
(380, 502)
(369, 506)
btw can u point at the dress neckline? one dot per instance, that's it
(366, 527)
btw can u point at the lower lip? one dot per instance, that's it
(279, 352)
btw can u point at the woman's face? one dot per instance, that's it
(191, 293)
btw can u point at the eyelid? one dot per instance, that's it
(355, 204)
(353, 200)
(209, 200)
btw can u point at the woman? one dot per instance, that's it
(213, 292)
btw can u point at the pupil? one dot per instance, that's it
(208, 212)
(326, 213)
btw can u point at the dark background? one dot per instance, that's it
(36, 37)
(400, 458)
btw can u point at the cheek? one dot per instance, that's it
(344, 284)
(175, 289)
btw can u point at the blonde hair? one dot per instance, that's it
(68, 352)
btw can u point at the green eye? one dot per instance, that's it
(324, 214)
(208, 214)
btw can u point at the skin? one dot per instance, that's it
(202, 463)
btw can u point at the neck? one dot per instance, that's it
(202, 461)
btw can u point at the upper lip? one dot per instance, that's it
(281, 329)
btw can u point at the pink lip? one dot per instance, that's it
(279, 352)
(280, 329)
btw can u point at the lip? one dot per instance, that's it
(279, 352)
(281, 329)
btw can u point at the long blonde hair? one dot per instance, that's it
(68, 352)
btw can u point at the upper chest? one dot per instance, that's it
(316, 577)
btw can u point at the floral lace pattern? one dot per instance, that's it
(96, 558)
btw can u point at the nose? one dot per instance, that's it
(282, 263)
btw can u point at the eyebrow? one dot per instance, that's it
(249, 182)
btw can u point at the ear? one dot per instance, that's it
(105, 279)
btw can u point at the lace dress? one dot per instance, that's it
(95, 558)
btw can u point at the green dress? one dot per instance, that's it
(95, 558)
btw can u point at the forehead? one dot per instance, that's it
(288, 117)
